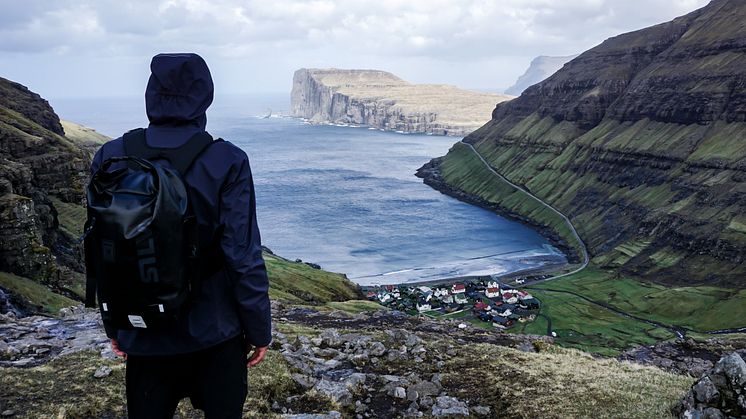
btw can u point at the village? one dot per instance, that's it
(483, 301)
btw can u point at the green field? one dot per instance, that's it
(580, 324)
(590, 327)
(699, 308)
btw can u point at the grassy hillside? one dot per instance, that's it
(33, 295)
(462, 169)
(640, 142)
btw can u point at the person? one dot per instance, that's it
(204, 356)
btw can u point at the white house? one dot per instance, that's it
(423, 306)
(505, 313)
(384, 297)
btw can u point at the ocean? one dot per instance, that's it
(346, 198)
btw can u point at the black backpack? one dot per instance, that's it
(142, 243)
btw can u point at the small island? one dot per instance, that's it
(379, 99)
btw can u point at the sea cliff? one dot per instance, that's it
(42, 178)
(381, 100)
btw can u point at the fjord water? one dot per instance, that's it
(347, 198)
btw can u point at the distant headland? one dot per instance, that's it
(382, 100)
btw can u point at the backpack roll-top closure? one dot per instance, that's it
(126, 199)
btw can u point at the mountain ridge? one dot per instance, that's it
(637, 140)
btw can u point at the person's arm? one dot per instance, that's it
(241, 245)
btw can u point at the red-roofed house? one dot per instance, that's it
(458, 288)
(492, 292)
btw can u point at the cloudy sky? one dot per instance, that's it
(96, 48)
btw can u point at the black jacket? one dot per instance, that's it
(235, 300)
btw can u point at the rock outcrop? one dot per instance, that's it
(382, 100)
(640, 141)
(38, 167)
(540, 68)
(719, 393)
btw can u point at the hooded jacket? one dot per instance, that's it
(234, 300)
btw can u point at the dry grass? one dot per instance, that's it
(563, 383)
(66, 388)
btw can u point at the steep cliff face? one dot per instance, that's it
(38, 167)
(382, 100)
(540, 68)
(642, 142)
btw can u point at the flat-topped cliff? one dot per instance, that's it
(382, 100)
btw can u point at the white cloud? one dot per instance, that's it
(294, 33)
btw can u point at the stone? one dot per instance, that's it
(705, 391)
(480, 410)
(400, 393)
(8, 412)
(412, 394)
(733, 367)
(330, 415)
(335, 391)
(102, 371)
(449, 406)
(303, 380)
(401, 336)
(330, 338)
(425, 388)
(713, 413)
(413, 411)
(377, 348)
(359, 360)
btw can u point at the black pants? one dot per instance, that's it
(214, 379)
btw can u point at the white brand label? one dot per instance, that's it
(105, 307)
(137, 321)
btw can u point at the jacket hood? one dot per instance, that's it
(179, 91)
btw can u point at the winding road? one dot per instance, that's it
(583, 248)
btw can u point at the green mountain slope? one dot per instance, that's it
(641, 141)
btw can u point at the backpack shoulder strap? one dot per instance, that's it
(181, 158)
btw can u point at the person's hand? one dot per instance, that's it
(117, 351)
(257, 356)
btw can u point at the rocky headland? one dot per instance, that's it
(381, 100)
(540, 68)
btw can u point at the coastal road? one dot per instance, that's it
(583, 248)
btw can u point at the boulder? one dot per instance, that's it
(449, 406)
(719, 393)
